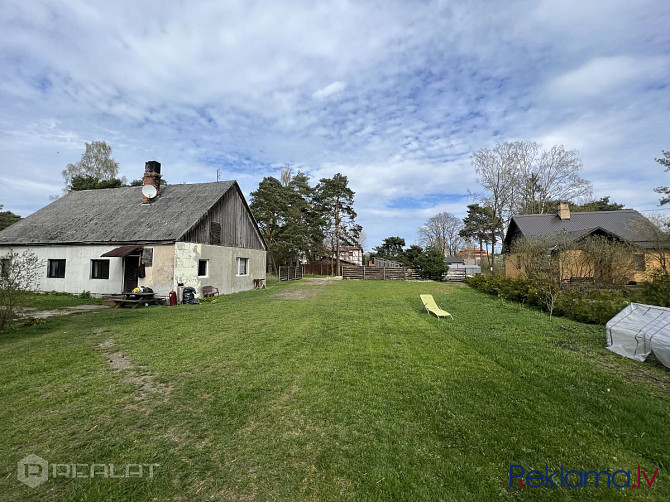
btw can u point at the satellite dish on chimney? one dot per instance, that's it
(149, 191)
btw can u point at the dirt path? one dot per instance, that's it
(44, 314)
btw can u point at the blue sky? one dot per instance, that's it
(395, 95)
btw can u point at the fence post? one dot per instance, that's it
(363, 272)
(384, 273)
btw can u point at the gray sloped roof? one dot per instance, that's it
(116, 215)
(626, 224)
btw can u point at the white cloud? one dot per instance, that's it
(248, 86)
(330, 90)
(604, 75)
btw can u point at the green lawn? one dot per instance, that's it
(338, 391)
(54, 300)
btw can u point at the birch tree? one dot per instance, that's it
(95, 169)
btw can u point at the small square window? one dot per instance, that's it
(202, 268)
(5, 264)
(99, 269)
(56, 269)
(242, 266)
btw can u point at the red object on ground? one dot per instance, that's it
(173, 298)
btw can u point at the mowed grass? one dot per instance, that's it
(328, 391)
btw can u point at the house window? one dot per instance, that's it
(202, 268)
(639, 264)
(242, 266)
(99, 269)
(56, 269)
(148, 257)
(5, 265)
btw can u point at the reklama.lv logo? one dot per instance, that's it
(577, 479)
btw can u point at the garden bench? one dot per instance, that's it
(208, 291)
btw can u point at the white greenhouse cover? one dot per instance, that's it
(638, 330)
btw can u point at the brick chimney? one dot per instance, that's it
(564, 210)
(152, 177)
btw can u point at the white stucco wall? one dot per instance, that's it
(171, 264)
(222, 267)
(77, 268)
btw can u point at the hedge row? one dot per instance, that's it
(594, 306)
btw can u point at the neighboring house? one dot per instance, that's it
(626, 225)
(454, 260)
(350, 254)
(473, 253)
(112, 240)
(385, 263)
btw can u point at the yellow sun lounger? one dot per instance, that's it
(432, 307)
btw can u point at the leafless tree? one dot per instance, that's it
(442, 232)
(519, 177)
(18, 275)
(286, 175)
(496, 170)
(656, 231)
(554, 176)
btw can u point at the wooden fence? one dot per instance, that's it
(289, 273)
(318, 268)
(379, 274)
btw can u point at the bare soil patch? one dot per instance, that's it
(147, 386)
(44, 314)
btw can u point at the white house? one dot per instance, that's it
(113, 240)
(350, 254)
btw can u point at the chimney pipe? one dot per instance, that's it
(564, 210)
(152, 176)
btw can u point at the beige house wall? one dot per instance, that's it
(160, 275)
(221, 267)
(574, 264)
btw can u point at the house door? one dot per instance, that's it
(131, 264)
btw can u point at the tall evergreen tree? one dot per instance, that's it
(7, 218)
(480, 225)
(336, 201)
(664, 191)
(391, 248)
(289, 218)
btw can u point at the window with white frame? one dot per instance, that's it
(203, 266)
(242, 266)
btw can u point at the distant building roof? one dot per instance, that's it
(115, 215)
(453, 259)
(473, 252)
(626, 224)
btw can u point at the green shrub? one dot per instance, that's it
(656, 292)
(590, 306)
(587, 306)
(85, 295)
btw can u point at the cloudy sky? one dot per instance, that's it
(395, 95)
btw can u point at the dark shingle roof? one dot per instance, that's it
(117, 215)
(626, 224)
